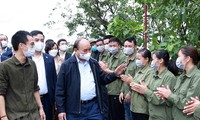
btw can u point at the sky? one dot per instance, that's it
(29, 15)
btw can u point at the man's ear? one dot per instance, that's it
(75, 49)
(20, 45)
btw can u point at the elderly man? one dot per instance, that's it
(78, 89)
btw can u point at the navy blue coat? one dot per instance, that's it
(6, 54)
(68, 85)
(51, 76)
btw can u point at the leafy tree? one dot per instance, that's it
(124, 29)
(94, 16)
(171, 23)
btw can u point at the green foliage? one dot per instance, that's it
(172, 24)
(95, 15)
(124, 29)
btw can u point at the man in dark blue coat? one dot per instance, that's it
(46, 74)
(78, 88)
(6, 52)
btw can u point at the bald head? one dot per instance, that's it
(81, 43)
(82, 46)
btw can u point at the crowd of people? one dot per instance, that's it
(103, 79)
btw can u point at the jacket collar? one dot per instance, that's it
(16, 61)
(117, 55)
(156, 75)
(191, 72)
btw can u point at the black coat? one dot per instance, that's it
(68, 85)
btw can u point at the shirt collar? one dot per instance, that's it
(16, 61)
(133, 56)
(142, 70)
(156, 75)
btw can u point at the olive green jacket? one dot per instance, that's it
(18, 83)
(113, 62)
(197, 113)
(187, 86)
(131, 69)
(104, 56)
(138, 101)
(159, 109)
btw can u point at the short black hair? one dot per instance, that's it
(107, 37)
(99, 40)
(48, 40)
(131, 39)
(36, 32)
(48, 46)
(60, 40)
(115, 39)
(19, 37)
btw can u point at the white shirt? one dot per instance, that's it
(62, 55)
(42, 82)
(88, 90)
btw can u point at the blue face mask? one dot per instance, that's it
(154, 66)
(94, 48)
(179, 64)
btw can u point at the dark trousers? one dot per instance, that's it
(116, 108)
(89, 111)
(47, 106)
(139, 116)
(106, 115)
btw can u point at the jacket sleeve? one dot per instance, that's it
(106, 78)
(60, 90)
(197, 113)
(180, 100)
(36, 86)
(3, 80)
(54, 74)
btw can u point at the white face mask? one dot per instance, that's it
(53, 52)
(100, 48)
(113, 50)
(128, 51)
(85, 56)
(29, 53)
(106, 47)
(154, 66)
(139, 63)
(39, 46)
(4, 43)
(63, 47)
(179, 64)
